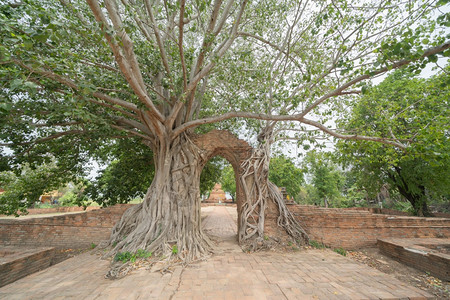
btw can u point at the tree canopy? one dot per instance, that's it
(414, 111)
(284, 173)
(76, 74)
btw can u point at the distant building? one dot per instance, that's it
(217, 195)
(50, 197)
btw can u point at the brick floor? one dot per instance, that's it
(229, 274)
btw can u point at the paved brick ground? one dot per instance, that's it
(230, 274)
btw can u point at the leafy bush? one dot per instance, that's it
(128, 256)
(141, 253)
(68, 199)
(124, 257)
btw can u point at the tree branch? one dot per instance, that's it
(180, 42)
(71, 84)
(351, 137)
(297, 118)
(56, 124)
(128, 70)
(218, 54)
(162, 52)
(133, 132)
(208, 39)
(394, 65)
(47, 138)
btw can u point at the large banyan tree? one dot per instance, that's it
(78, 74)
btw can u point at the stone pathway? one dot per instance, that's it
(229, 274)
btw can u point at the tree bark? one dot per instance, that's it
(168, 222)
(258, 191)
(417, 200)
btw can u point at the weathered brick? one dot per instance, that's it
(67, 231)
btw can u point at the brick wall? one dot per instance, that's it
(418, 257)
(344, 228)
(67, 231)
(62, 209)
(352, 229)
(14, 266)
(386, 211)
(383, 211)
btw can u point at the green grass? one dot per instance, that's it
(316, 244)
(340, 251)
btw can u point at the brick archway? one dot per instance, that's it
(234, 150)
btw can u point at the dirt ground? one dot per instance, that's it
(373, 258)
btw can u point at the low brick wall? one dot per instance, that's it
(205, 204)
(352, 229)
(386, 211)
(15, 265)
(74, 231)
(62, 209)
(383, 211)
(349, 229)
(414, 254)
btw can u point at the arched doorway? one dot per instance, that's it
(235, 151)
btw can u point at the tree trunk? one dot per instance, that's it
(258, 191)
(168, 222)
(417, 200)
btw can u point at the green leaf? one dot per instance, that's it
(16, 83)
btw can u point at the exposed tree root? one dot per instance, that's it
(168, 222)
(285, 218)
(258, 190)
(254, 183)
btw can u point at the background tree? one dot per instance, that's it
(326, 179)
(414, 111)
(79, 74)
(24, 188)
(127, 175)
(211, 174)
(228, 181)
(284, 173)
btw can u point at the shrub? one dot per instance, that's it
(316, 244)
(128, 256)
(68, 199)
(141, 253)
(340, 251)
(124, 257)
